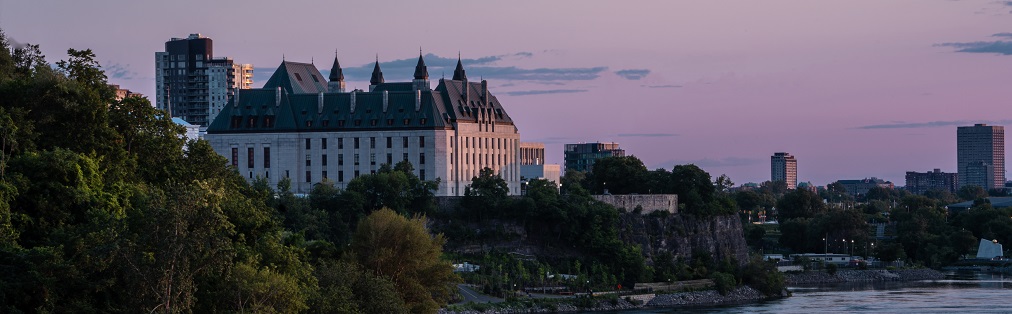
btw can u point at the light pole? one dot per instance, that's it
(825, 248)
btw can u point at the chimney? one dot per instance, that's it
(484, 92)
(235, 100)
(353, 93)
(418, 100)
(277, 98)
(319, 103)
(386, 100)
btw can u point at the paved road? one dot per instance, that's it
(470, 295)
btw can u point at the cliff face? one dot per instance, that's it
(681, 235)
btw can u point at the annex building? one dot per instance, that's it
(308, 129)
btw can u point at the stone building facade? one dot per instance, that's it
(308, 129)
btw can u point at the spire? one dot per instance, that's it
(336, 74)
(458, 74)
(377, 75)
(421, 71)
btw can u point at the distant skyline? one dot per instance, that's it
(852, 89)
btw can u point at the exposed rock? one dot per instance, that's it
(683, 234)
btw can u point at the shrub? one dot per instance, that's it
(831, 269)
(724, 282)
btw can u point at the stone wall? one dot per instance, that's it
(649, 202)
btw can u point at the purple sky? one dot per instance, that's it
(853, 89)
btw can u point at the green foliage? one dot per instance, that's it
(763, 276)
(800, 203)
(724, 283)
(971, 192)
(619, 175)
(392, 246)
(831, 269)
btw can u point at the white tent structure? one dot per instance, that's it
(989, 249)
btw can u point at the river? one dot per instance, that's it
(959, 292)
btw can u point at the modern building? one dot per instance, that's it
(980, 156)
(861, 187)
(784, 168)
(533, 166)
(123, 92)
(581, 157)
(920, 182)
(193, 85)
(303, 127)
(532, 153)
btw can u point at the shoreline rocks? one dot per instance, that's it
(871, 275)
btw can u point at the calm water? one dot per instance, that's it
(964, 292)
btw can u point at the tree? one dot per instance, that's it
(693, 186)
(618, 175)
(487, 194)
(800, 203)
(971, 192)
(391, 246)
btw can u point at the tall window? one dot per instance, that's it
(421, 174)
(324, 174)
(249, 157)
(267, 157)
(421, 158)
(340, 143)
(390, 159)
(405, 140)
(405, 156)
(372, 159)
(323, 143)
(235, 157)
(340, 176)
(323, 161)
(340, 159)
(308, 145)
(372, 142)
(356, 159)
(421, 141)
(390, 142)
(309, 176)
(356, 143)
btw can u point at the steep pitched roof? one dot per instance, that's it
(421, 71)
(336, 73)
(297, 78)
(458, 73)
(473, 108)
(377, 75)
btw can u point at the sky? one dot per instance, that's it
(852, 89)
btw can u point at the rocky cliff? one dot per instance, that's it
(682, 234)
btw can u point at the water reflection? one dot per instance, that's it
(968, 292)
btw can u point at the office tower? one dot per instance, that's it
(581, 156)
(980, 156)
(784, 168)
(190, 83)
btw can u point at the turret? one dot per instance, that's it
(336, 84)
(421, 81)
(458, 73)
(377, 76)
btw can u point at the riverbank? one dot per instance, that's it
(841, 276)
(740, 295)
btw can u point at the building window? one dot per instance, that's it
(372, 142)
(323, 143)
(235, 157)
(356, 143)
(323, 161)
(340, 159)
(372, 159)
(249, 157)
(372, 171)
(356, 173)
(421, 174)
(309, 176)
(405, 156)
(324, 174)
(308, 144)
(390, 142)
(405, 141)
(421, 141)
(421, 158)
(308, 162)
(340, 176)
(267, 157)
(390, 159)
(356, 159)
(340, 143)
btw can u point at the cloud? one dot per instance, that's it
(999, 47)
(1006, 34)
(483, 67)
(557, 140)
(931, 124)
(542, 92)
(661, 86)
(716, 162)
(646, 134)
(1008, 3)
(633, 74)
(119, 71)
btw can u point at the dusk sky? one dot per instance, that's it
(853, 89)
